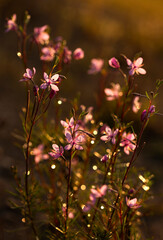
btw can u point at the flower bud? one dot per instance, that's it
(78, 54)
(104, 158)
(143, 115)
(35, 90)
(152, 109)
(113, 62)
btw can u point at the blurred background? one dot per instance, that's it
(103, 29)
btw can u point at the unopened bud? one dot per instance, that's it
(35, 90)
(143, 115)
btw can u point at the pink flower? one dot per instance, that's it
(136, 66)
(75, 141)
(100, 192)
(28, 75)
(136, 104)
(50, 81)
(132, 203)
(11, 24)
(38, 152)
(96, 66)
(128, 142)
(114, 92)
(78, 54)
(113, 62)
(109, 135)
(56, 151)
(68, 125)
(40, 35)
(48, 53)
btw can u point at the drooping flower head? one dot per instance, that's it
(96, 66)
(114, 92)
(11, 24)
(113, 62)
(28, 75)
(78, 54)
(136, 66)
(47, 54)
(128, 142)
(40, 35)
(50, 82)
(38, 153)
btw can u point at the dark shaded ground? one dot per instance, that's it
(104, 29)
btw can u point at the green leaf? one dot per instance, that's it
(147, 95)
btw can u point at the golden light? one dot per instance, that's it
(146, 188)
(59, 102)
(53, 166)
(83, 187)
(95, 132)
(94, 167)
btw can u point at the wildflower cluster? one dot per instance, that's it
(77, 170)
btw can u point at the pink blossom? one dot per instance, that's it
(48, 53)
(40, 35)
(128, 142)
(136, 104)
(136, 66)
(113, 62)
(110, 135)
(50, 81)
(28, 75)
(99, 192)
(68, 124)
(56, 151)
(114, 92)
(75, 141)
(132, 203)
(78, 54)
(11, 24)
(38, 152)
(96, 66)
